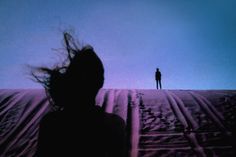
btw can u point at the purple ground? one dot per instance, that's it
(181, 123)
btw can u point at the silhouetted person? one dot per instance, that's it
(78, 127)
(158, 78)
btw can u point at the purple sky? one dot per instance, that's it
(192, 42)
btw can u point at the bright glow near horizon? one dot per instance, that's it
(192, 42)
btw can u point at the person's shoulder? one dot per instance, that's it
(50, 118)
(115, 117)
(52, 115)
(111, 119)
(115, 121)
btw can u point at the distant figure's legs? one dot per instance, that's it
(160, 84)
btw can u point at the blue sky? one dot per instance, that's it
(192, 42)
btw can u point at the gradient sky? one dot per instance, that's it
(192, 42)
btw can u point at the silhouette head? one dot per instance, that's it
(78, 81)
(157, 69)
(81, 81)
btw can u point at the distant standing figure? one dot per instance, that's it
(158, 78)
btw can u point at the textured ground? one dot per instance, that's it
(173, 123)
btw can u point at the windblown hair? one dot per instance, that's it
(82, 69)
